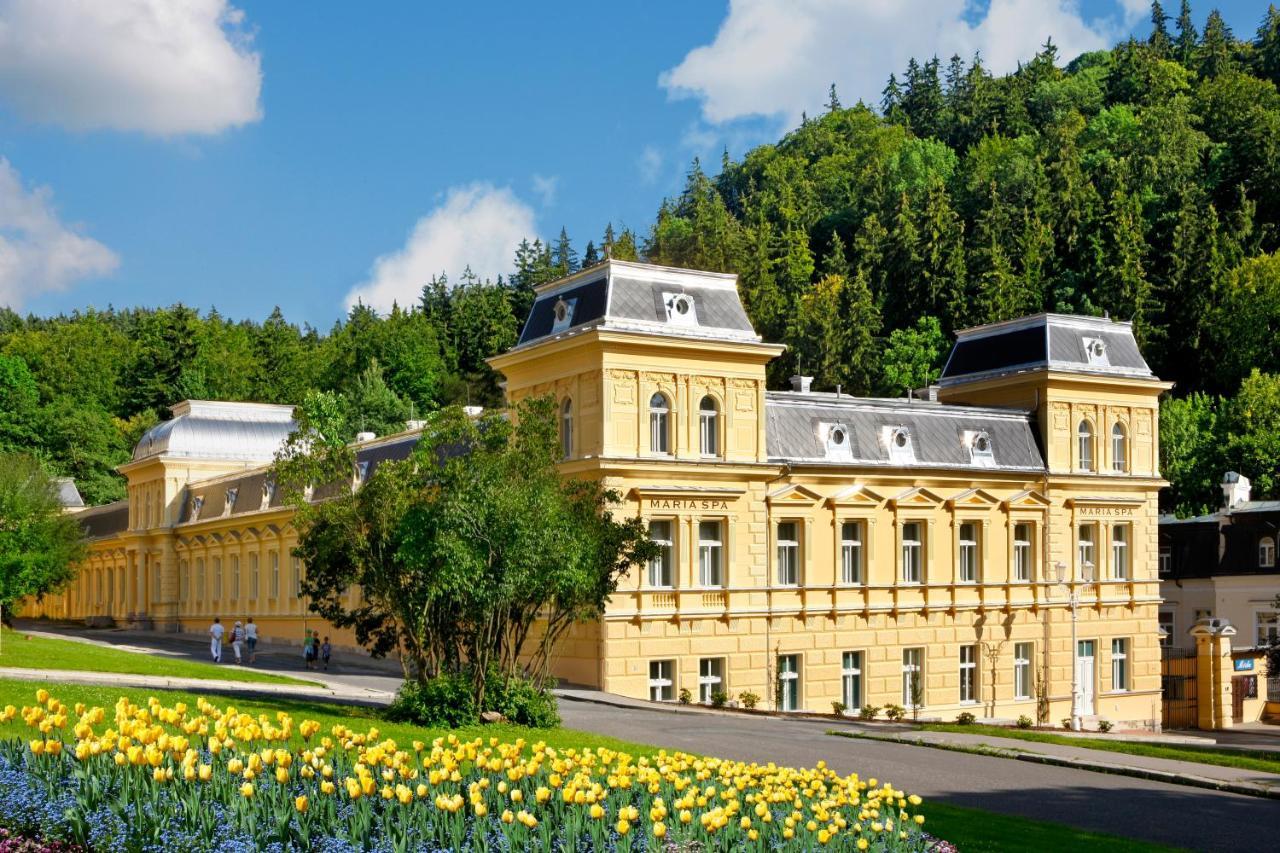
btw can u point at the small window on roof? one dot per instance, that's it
(1095, 352)
(562, 314)
(231, 501)
(682, 310)
(268, 492)
(362, 471)
(838, 444)
(901, 447)
(197, 501)
(980, 452)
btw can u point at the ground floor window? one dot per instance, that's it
(1119, 664)
(969, 674)
(912, 678)
(1166, 624)
(851, 680)
(710, 679)
(662, 684)
(1022, 670)
(788, 682)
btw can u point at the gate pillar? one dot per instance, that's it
(1213, 671)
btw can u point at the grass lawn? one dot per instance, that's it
(978, 831)
(27, 652)
(1266, 762)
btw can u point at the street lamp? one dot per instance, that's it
(1086, 572)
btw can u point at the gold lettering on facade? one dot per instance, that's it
(688, 503)
(1105, 511)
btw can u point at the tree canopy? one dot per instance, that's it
(39, 543)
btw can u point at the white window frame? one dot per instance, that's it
(787, 553)
(709, 427)
(912, 663)
(788, 690)
(969, 675)
(273, 557)
(1084, 445)
(1086, 548)
(296, 569)
(710, 678)
(1169, 618)
(711, 553)
(217, 579)
(235, 576)
(1119, 448)
(1023, 553)
(660, 424)
(1166, 561)
(663, 565)
(1119, 665)
(254, 578)
(851, 688)
(662, 680)
(911, 554)
(200, 587)
(968, 551)
(851, 551)
(1267, 552)
(1266, 627)
(1120, 556)
(1023, 654)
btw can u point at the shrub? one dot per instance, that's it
(964, 718)
(895, 712)
(1024, 722)
(719, 699)
(868, 712)
(838, 708)
(1105, 725)
(685, 696)
(1066, 722)
(441, 702)
(522, 701)
(748, 699)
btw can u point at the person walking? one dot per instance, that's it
(309, 649)
(251, 639)
(215, 639)
(326, 651)
(237, 640)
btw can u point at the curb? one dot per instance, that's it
(1248, 789)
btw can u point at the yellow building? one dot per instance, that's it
(817, 547)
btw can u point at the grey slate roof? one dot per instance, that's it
(626, 296)
(209, 429)
(68, 494)
(1045, 342)
(938, 432)
(101, 522)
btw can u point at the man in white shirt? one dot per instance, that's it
(215, 635)
(251, 639)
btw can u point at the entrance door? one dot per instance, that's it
(1084, 675)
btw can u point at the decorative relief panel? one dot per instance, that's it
(623, 383)
(1059, 416)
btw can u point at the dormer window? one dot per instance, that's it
(230, 503)
(362, 471)
(681, 309)
(1095, 352)
(268, 493)
(562, 314)
(901, 447)
(197, 502)
(980, 452)
(837, 439)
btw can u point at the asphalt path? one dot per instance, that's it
(1176, 815)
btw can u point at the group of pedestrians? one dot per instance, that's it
(244, 636)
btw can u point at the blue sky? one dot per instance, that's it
(262, 153)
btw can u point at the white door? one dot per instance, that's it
(1084, 674)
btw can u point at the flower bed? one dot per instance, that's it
(152, 778)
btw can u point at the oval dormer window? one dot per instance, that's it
(982, 444)
(838, 436)
(562, 311)
(900, 438)
(980, 449)
(681, 305)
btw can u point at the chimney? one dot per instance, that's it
(362, 437)
(1235, 489)
(801, 384)
(928, 393)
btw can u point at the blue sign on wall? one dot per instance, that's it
(1244, 665)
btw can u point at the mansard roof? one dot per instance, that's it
(940, 435)
(1058, 342)
(633, 297)
(210, 429)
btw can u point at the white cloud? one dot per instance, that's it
(165, 67)
(650, 164)
(546, 188)
(38, 252)
(778, 57)
(478, 225)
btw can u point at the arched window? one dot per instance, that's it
(566, 427)
(709, 426)
(1266, 552)
(659, 424)
(1119, 448)
(1084, 439)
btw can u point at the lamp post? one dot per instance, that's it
(1060, 571)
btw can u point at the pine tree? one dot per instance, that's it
(1185, 46)
(590, 257)
(1215, 46)
(833, 103)
(625, 247)
(1122, 284)
(891, 101)
(607, 241)
(1266, 56)
(834, 262)
(997, 296)
(564, 258)
(1159, 39)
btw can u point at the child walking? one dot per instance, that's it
(325, 651)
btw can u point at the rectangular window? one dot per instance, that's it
(788, 682)
(851, 680)
(1084, 552)
(1267, 627)
(1120, 551)
(912, 677)
(297, 577)
(253, 576)
(912, 546)
(184, 581)
(851, 552)
(968, 552)
(200, 579)
(788, 553)
(1022, 670)
(235, 577)
(710, 679)
(710, 553)
(217, 578)
(661, 570)
(1166, 623)
(275, 573)
(968, 674)
(662, 685)
(1119, 664)
(1166, 561)
(1022, 534)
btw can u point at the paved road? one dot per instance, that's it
(1153, 811)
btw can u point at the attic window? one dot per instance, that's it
(362, 471)
(681, 309)
(230, 501)
(901, 447)
(196, 503)
(268, 492)
(980, 448)
(1095, 352)
(837, 441)
(562, 314)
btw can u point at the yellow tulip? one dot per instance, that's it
(246, 790)
(301, 804)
